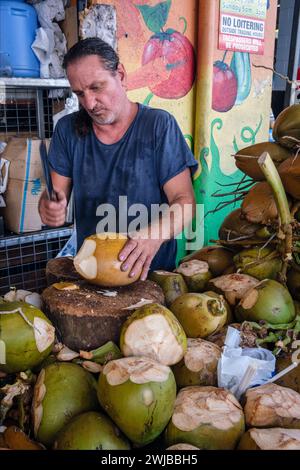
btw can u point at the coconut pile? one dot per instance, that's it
(153, 381)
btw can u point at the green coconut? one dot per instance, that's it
(200, 314)
(172, 284)
(207, 417)
(26, 336)
(218, 258)
(91, 431)
(270, 439)
(250, 167)
(199, 365)
(286, 130)
(269, 301)
(196, 274)
(139, 395)
(153, 331)
(261, 263)
(62, 391)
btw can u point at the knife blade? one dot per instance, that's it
(46, 170)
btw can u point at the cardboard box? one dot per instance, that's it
(24, 157)
(21, 212)
(25, 185)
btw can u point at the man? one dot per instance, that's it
(113, 147)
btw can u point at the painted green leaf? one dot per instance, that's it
(155, 17)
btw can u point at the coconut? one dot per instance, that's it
(62, 390)
(199, 365)
(200, 314)
(250, 167)
(289, 172)
(293, 282)
(98, 262)
(206, 417)
(232, 286)
(269, 301)
(271, 405)
(153, 331)
(139, 395)
(218, 258)
(270, 439)
(172, 284)
(286, 130)
(292, 379)
(195, 273)
(182, 446)
(26, 336)
(259, 205)
(235, 226)
(261, 263)
(91, 431)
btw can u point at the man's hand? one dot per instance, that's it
(53, 213)
(137, 255)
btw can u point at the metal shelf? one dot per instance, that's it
(46, 234)
(34, 82)
(23, 258)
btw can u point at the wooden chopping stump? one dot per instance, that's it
(61, 269)
(85, 319)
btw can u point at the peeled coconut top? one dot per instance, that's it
(193, 267)
(234, 286)
(154, 331)
(182, 446)
(200, 353)
(139, 370)
(276, 438)
(265, 403)
(210, 406)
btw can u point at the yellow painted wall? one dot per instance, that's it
(179, 26)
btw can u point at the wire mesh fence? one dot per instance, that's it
(29, 112)
(23, 258)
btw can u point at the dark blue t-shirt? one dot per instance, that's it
(151, 152)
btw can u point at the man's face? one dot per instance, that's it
(100, 92)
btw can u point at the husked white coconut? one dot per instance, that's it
(138, 370)
(271, 405)
(270, 439)
(153, 331)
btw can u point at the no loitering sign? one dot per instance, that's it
(242, 25)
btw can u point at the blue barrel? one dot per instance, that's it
(18, 23)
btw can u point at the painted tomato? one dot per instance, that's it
(224, 87)
(179, 56)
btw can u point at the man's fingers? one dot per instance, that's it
(131, 259)
(137, 265)
(125, 252)
(142, 266)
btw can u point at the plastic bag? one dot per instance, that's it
(240, 369)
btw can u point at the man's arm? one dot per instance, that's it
(53, 213)
(143, 245)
